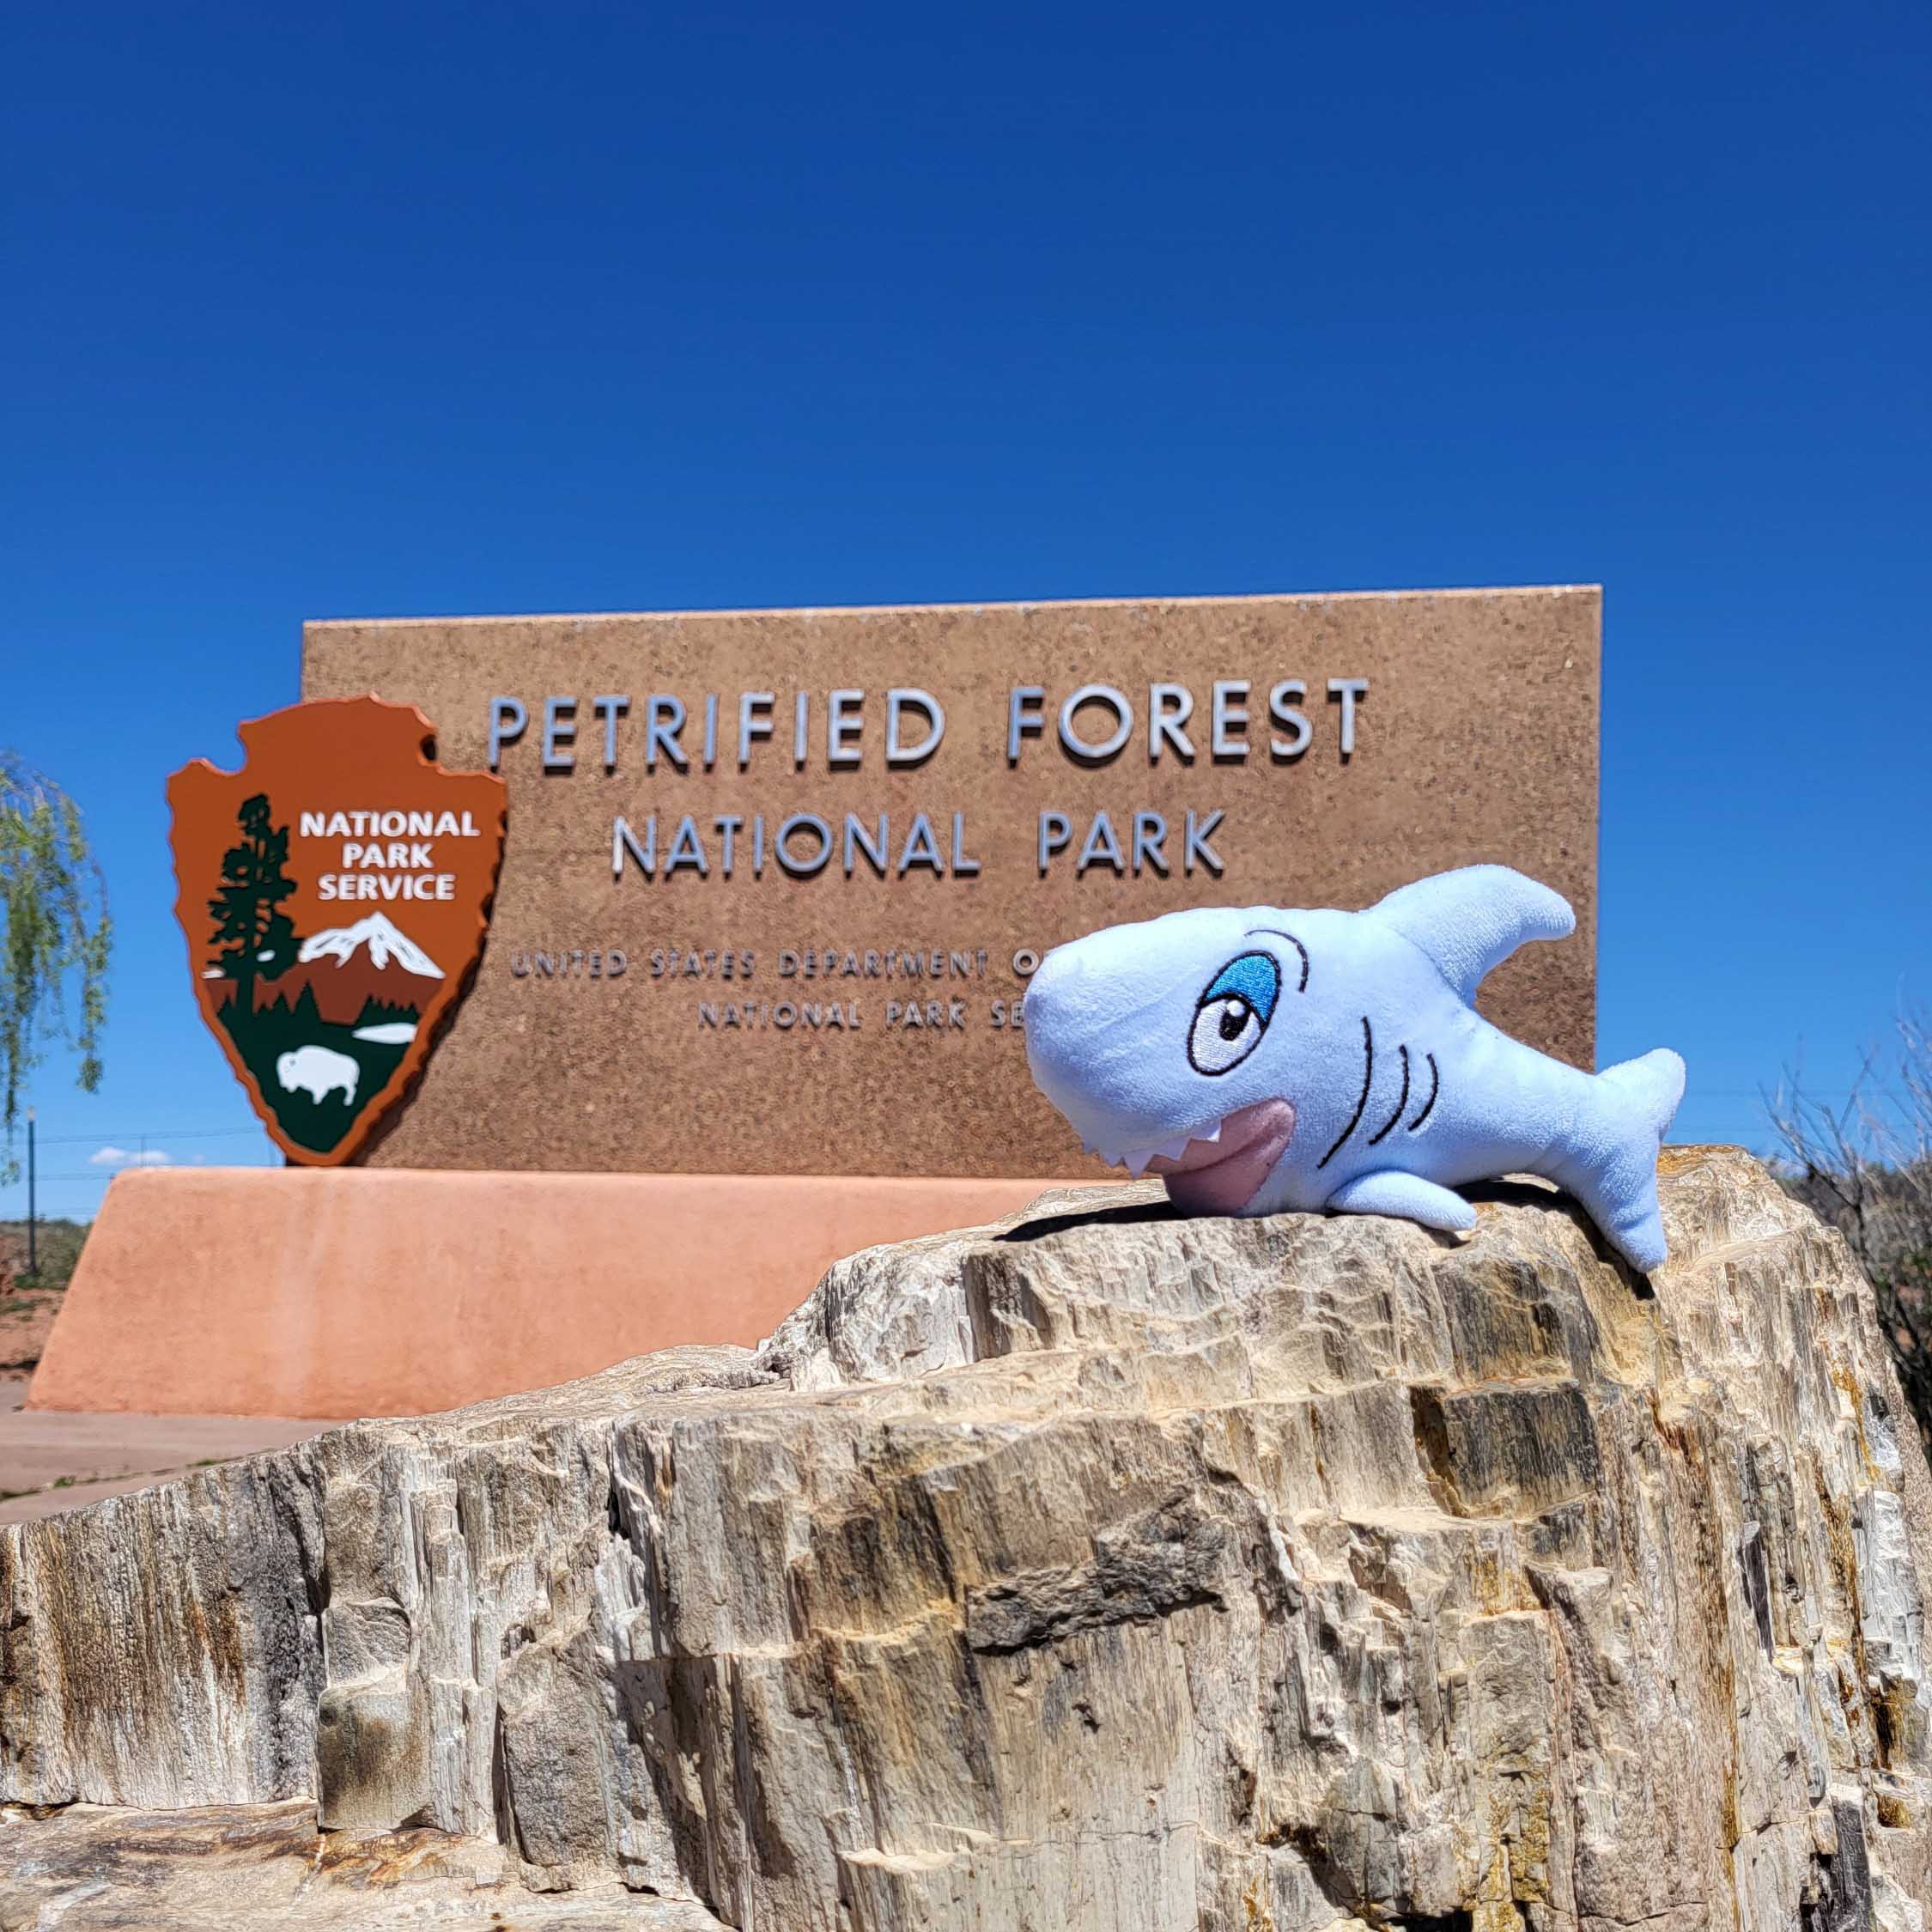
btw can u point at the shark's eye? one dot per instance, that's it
(1234, 1013)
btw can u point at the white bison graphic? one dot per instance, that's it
(320, 1071)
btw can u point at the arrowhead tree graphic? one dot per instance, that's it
(335, 894)
(258, 939)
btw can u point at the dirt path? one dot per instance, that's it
(52, 1460)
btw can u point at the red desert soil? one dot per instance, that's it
(26, 1315)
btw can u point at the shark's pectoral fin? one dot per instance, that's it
(1406, 1196)
(1469, 920)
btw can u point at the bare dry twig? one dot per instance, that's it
(1866, 1167)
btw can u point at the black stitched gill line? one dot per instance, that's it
(1291, 940)
(1376, 1140)
(1368, 1080)
(1435, 1088)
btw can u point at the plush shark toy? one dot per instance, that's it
(1261, 1060)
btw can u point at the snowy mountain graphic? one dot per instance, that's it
(383, 941)
(348, 970)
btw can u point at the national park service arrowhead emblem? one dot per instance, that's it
(335, 893)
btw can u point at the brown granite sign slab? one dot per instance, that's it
(774, 879)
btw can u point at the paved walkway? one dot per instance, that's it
(51, 1461)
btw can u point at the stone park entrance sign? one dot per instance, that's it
(333, 893)
(775, 881)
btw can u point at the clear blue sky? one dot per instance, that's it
(348, 311)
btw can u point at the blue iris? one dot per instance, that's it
(1254, 977)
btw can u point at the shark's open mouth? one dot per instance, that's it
(1217, 1170)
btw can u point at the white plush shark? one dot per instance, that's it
(1262, 1060)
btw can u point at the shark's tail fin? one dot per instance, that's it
(1620, 1178)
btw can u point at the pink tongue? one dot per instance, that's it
(1251, 1141)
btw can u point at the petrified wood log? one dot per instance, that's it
(1103, 1569)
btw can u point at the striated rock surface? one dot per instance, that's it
(83, 1870)
(1105, 1569)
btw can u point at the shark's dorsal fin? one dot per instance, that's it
(1469, 920)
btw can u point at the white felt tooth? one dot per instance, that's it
(1213, 1134)
(1137, 1162)
(1173, 1149)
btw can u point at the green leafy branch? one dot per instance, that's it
(55, 938)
